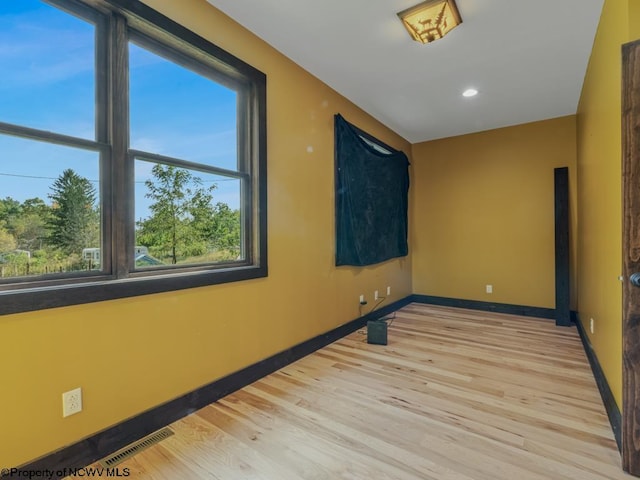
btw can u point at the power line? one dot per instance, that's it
(30, 176)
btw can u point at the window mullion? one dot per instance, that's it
(103, 110)
(122, 173)
(199, 167)
(246, 187)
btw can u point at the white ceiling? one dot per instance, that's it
(527, 58)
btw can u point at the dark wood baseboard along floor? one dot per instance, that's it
(455, 395)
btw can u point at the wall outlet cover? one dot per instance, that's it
(71, 402)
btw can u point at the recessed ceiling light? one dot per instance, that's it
(470, 92)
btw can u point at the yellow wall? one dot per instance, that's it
(130, 355)
(634, 19)
(600, 188)
(483, 213)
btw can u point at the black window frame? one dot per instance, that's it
(116, 22)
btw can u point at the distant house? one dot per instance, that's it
(91, 254)
(141, 255)
(6, 256)
(147, 261)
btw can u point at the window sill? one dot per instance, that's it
(31, 299)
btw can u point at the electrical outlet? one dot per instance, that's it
(591, 325)
(361, 298)
(489, 288)
(376, 295)
(388, 291)
(71, 402)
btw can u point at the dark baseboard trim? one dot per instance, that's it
(574, 316)
(610, 405)
(106, 442)
(523, 310)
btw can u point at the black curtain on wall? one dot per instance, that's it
(372, 189)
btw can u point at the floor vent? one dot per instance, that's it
(135, 448)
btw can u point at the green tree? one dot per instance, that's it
(29, 224)
(181, 214)
(30, 230)
(8, 208)
(202, 213)
(75, 221)
(36, 205)
(226, 228)
(7, 241)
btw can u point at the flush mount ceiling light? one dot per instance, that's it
(431, 20)
(470, 92)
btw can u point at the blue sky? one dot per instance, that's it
(47, 63)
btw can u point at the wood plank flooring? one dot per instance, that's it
(456, 395)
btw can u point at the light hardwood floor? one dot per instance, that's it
(455, 395)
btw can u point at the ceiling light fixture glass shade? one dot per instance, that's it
(431, 20)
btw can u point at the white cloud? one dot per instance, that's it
(40, 50)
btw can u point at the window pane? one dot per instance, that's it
(178, 113)
(185, 217)
(49, 213)
(47, 62)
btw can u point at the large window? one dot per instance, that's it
(132, 156)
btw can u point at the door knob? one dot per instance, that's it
(635, 279)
